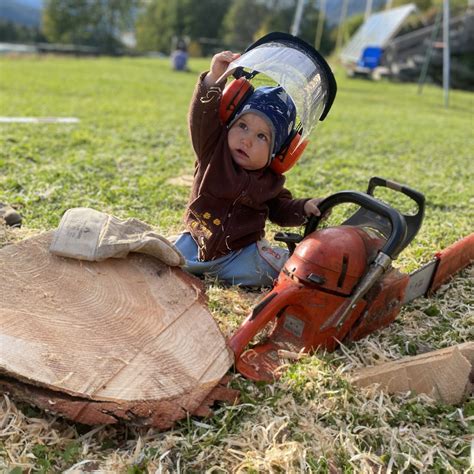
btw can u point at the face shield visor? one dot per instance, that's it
(297, 67)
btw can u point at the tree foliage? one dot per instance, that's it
(204, 18)
(248, 20)
(243, 21)
(12, 32)
(156, 25)
(309, 26)
(97, 23)
(425, 6)
(161, 20)
(210, 24)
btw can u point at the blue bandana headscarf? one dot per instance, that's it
(276, 107)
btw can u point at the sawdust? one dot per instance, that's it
(183, 180)
(10, 235)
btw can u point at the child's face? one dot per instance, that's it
(249, 140)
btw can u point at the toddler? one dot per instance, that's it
(234, 189)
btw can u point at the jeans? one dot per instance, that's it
(257, 264)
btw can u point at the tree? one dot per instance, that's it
(280, 18)
(203, 20)
(421, 5)
(112, 17)
(243, 21)
(308, 29)
(157, 24)
(64, 21)
(162, 20)
(11, 32)
(84, 22)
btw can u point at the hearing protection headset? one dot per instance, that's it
(234, 96)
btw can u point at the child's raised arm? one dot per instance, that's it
(204, 122)
(219, 64)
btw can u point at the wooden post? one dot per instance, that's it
(320, 26)
(429, 52)
(368, 9)
(446, 55)
(295, 27)
(340, 30)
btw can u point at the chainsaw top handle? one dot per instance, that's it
(402, 188)
(395, 240)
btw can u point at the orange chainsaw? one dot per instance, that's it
(338, 284)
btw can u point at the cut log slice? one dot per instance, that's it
(103, 341)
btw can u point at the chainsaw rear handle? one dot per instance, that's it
(397, 221)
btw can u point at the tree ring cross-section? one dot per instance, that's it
(123, 339)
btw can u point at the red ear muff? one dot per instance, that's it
(234, 95)
(289, 154)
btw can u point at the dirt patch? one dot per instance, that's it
(183, 180)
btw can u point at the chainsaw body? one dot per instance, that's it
(337, 286)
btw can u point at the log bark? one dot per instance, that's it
(123, 339)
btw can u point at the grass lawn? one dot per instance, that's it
(130, 156)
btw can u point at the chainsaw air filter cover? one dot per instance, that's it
(333, 259)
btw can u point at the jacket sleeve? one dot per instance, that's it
(203, 119)
(286, 211)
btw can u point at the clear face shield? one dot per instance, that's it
(297, 67)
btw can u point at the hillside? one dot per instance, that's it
(24, 12)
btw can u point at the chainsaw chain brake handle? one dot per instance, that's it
(398, 225)
(398, 229)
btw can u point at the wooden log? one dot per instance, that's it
(123, 339)
(445, 374)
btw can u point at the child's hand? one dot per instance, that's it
(311, 207)
(219, 64)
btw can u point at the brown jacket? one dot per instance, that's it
(229, 205)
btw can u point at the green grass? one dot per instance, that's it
(133, 137)
(131, 140)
